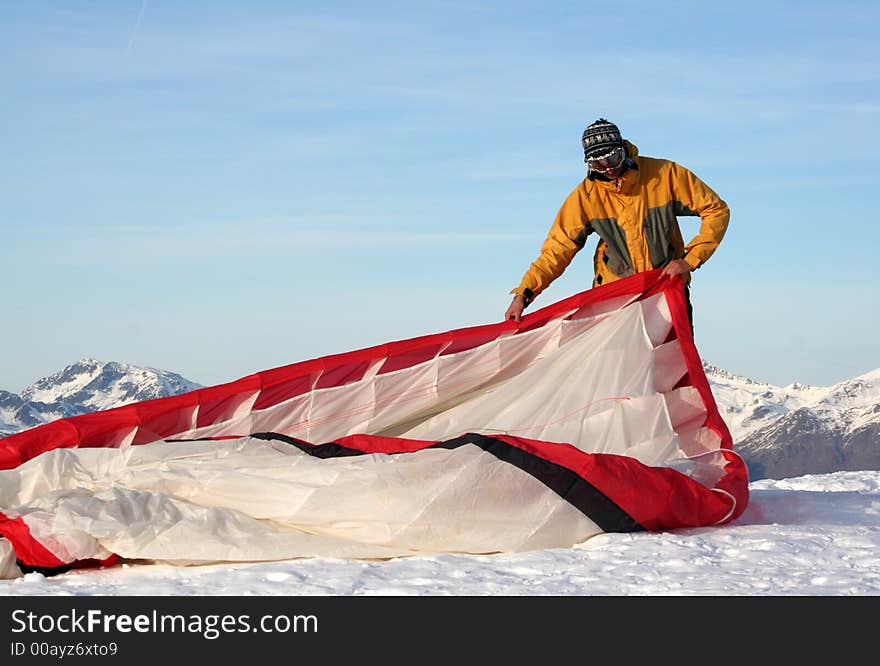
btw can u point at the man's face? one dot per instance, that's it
(610, 164)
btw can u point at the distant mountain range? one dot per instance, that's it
(782, 432)
(86, 386)
(790, 431)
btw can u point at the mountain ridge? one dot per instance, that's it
(88, 385)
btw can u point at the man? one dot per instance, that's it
(631, 202)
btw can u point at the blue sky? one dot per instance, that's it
(217, 188)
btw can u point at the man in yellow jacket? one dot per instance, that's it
(632, 203)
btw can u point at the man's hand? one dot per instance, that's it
(515, 310)
(677, 267)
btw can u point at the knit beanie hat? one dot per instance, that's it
(601, 138)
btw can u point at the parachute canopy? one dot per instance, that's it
(590, 415)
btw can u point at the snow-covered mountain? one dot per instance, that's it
(791, 431)
(86, 386)
(781, 432)
(748, 405)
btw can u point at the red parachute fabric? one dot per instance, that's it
(703, 482)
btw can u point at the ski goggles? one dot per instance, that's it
(607, 162)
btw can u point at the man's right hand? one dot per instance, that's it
(515, 310)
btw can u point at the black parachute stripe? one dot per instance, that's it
(571, 487)
(328, 450)
(48, 572)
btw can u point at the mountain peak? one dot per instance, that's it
(716, 373)
(859, 391)
(90, 385)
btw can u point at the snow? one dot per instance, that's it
(87, 385)
(63, 383)
(747, 405)
(92, 385)
(815, 535)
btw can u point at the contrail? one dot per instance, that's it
(136, 26)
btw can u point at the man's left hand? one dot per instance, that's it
(677, 267)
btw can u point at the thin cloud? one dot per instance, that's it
(137, 26)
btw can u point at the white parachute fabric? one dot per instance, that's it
(591, 415)
(605, 388)
(249, 500)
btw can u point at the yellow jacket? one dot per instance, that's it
(636, 220)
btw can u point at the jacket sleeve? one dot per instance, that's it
(694, 197)
(565, 238)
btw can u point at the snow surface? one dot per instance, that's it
(813, 535)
